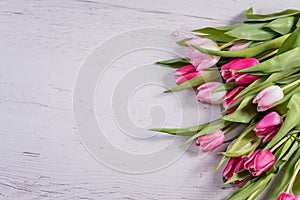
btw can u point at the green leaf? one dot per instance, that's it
(282, 62)
(226, 86)
(292, 120)
(283, 25)
(220, 163)
(183, 42)
(283, 149)
(214, 34)
(245, 112)
(205, 76)
(241, 175)
(247, 52)
(286, 175)
(296, 186)
(174, 63)
(250, 17)
(289, 79)
(293, 41)
(253, 32)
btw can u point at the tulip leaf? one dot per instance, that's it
(174, 63)
(250, 17)
(205, 76)
(245, 112)
(292, 120)
(247, 52)
(282, 62)
(183, 42)
(286, 175)
(296, 186)
(289, 79)
(283, 25)
(253, 32)
(241, 175)
(283, 149)
(214, 34)
(220, 163)
(293, 41)
(226, 86)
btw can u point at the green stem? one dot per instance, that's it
(226, 45)
(268, 55)
(229, 128)
(297, 169)
(291, 85)
(280, 143)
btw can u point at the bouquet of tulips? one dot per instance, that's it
(259, 62)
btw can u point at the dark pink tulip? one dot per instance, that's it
(206, 94)
(185, 73)
(259, 162)
(230, 74)
(238, 46)
(199, 59)
(234, 166)
(230, 98)
(286, 196)
(268, 126)
(211, 141)
(267, 97)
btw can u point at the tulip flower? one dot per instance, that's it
(211, 141)
(230, 99)
(206, 94)
(229, 71)
(185, 73)
(286, 196)
(267, 97)
(259, 162)
(239, 46)
(268, 126)
(234, 166)
(199, 59)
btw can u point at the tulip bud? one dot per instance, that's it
(234, 166)
(267, 97)
(239, 46)
(259, 162)
(211, 141)
(207, 95)
(230, 98)
(268, 126)
(286, 196)
(229, 71)
(185, 73)
(199, 59)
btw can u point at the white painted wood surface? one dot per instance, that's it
(43, 44)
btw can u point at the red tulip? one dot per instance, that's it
(230, 74)
(286, 196)
(230, 98)
(211, 141)
(234, 166)
(185, 73)
(259, 162)
(267, 97)
(207, 95)
(268, 126)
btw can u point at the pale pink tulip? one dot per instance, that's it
(268, 126)
(239, 46)
(230, 74)
(286, 196)
(206, 93)
(185, 73)
(234, 166)
(259, 162)
(211, 141)
(199, 59)
(267, 97)
(230, 98)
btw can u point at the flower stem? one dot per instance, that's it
(291, 85)
(280, 143)
(226, 45)
(297, 169)
(230, 127)
(268, 55)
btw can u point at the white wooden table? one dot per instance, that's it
(43, 45)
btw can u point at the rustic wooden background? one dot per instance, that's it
(43, 44)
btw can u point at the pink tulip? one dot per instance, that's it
(211, 141)
(238, 46)
(185, 73)
(199, 59)
(286, 196)
(259, 162)
(206, 94)
(234, 166)
(267, 97)
(268, 126)
(230, 98)
(230, 74)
